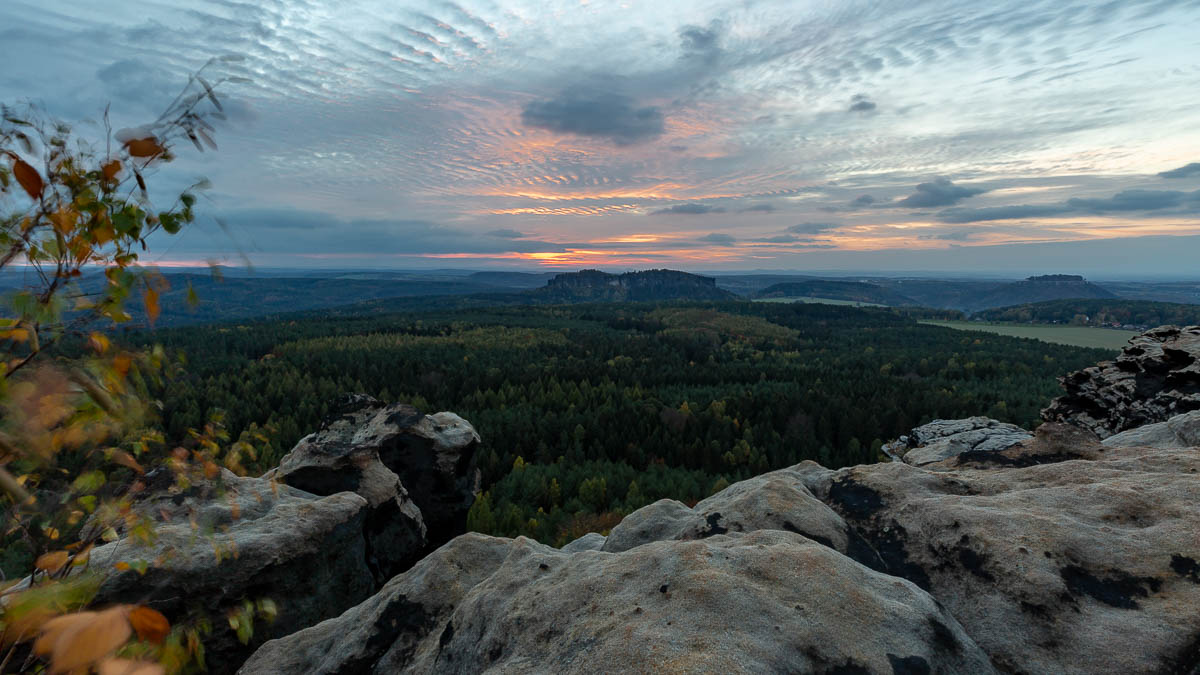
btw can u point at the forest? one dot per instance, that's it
(1097, 311)
(590, 411)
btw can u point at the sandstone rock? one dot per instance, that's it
(384, 633)
(416, 471)
(1181, 431)
(592, 541)
(1051, 564)
(306, 553)
(942, 439)
(661, 520)
(1155, 378)
(767, 601)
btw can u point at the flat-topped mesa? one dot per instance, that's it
(1156, 377)
(647, 285)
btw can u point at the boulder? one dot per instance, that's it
(943, 439)
(765, 601)
(416, 471)
(1156, 377)
(1181, 431)
(243, 538)
(592, 541)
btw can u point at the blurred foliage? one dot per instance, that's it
(78, 425)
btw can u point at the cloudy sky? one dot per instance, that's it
(962, 136)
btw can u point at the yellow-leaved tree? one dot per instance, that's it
(76, 411)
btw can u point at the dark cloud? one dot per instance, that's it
(1186, 171)
(688, 209)
(863, 200)
(861, 104)
(940, 192)
(718, 238)
(961, 215)
(758, 208)
(1133, 200)
(612, 117)
(811, 228)
(701, 44)
(1127, 200)
(506, 234)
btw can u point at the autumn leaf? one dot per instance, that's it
(149, 624)
(125, 459)
(128, 667)
(78, 643)
(144, 147)
(51, 562)
(28, 177)
(151, 299)
(111, 169)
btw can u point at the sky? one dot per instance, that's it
(1030, 136)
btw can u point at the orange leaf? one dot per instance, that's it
(144, 147)
(125, 459)
(127, 667)
(111, 169)
(53, 629)
(28, 177)
(51, 562)
(211, 470)
(85, 642)
(150, 624)
(152, 308)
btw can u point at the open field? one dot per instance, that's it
(821, 301)
(1079, 336)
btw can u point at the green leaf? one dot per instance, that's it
(89, 482)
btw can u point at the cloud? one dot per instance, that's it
(811, 228)
(701, 44)
(612, 117)
(860, 104)
(961, 215)
(688, 209)
(940, 192)
(1134, 200)
(1186, 171)
(718, 238)
(506, 234)
(758, 208)
(863, 200)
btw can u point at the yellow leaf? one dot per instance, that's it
(99, 342)
(122, 566)
(51, 562)
(150, 624)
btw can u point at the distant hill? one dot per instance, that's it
(1097, 312)
(1041, 289)
(855, 291)
(511, 279)
(647, 286)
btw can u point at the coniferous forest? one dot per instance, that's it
(588, 412)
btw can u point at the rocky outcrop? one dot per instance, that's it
(351, 506)
(1054, 554)
(238, 539)
(764, 601)
(417, 472)
(1181, 431)
(1155, 378)
(942, 439)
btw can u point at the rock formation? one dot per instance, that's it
(941, 439)
(982, 549)
(1155, 378)
(349, 507)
